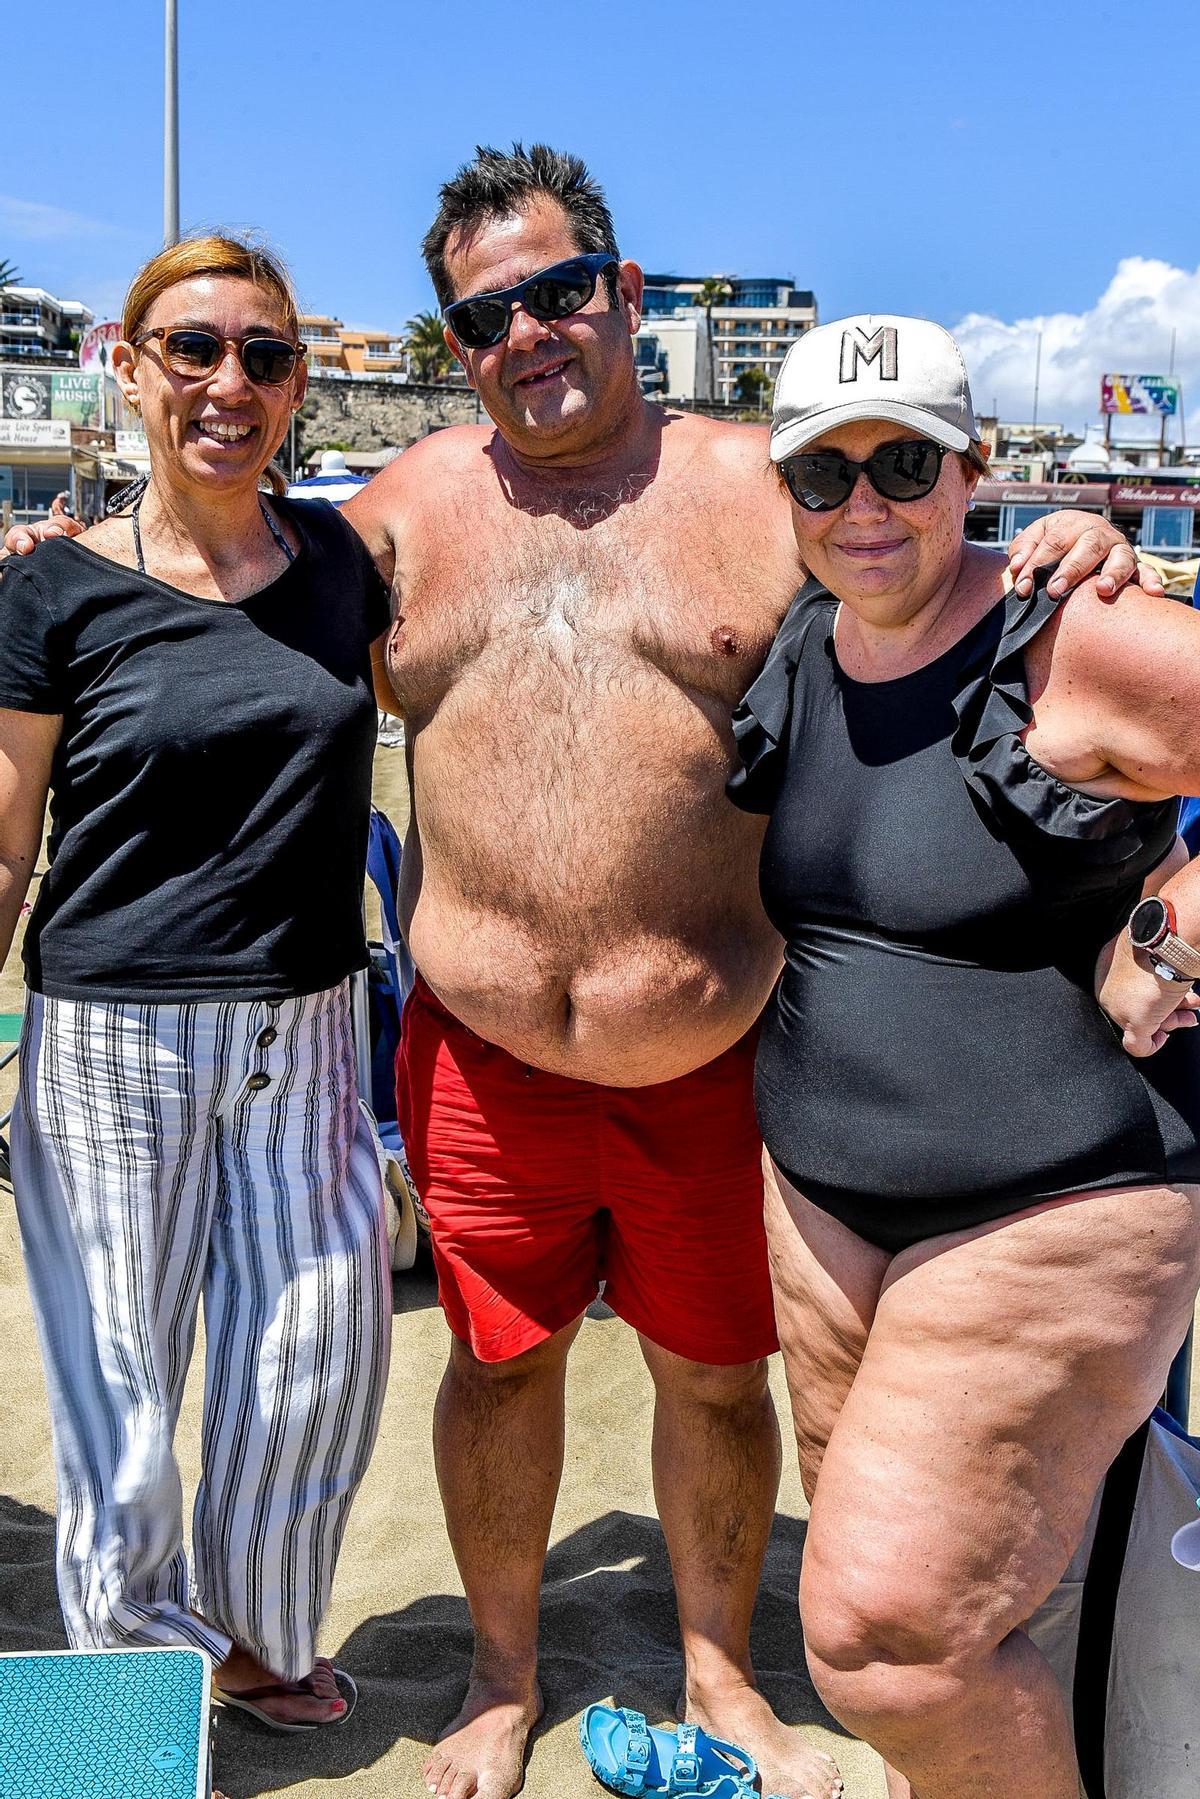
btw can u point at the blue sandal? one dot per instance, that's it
(629, 1756)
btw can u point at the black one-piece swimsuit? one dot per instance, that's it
(933, 1056)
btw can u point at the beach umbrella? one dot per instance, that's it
(333, 481)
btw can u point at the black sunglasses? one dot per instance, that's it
(267, 361)
(482, 320)
(822, 480)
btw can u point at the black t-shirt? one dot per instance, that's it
(210, 794)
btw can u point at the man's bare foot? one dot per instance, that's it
(241, 1672)
(787, 1764)
(482, 1751)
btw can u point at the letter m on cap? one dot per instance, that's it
(879, 347)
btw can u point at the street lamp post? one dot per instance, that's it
(171, 125)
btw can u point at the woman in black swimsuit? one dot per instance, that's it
(974, 1079)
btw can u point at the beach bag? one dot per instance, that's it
(390, 974)
(390, 977)
(1122, 1630)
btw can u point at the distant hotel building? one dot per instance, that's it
(34, 324)
(331, 345)
(753, 328)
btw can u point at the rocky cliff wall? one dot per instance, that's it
(379, 415)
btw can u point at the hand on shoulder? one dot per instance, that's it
(23, 540)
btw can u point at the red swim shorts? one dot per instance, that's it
(539, 1187)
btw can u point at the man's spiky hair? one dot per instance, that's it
(498, 183)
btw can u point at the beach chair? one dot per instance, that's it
(105, 1724)
(1119, 1631)
(377, 1004)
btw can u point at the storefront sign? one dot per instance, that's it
(95, 346)
(1132, 491)
(1139, 393)
(132, 444)
(1026, 493)
(76, 398)
(25, 395)
(35, 434)
(1145, 493)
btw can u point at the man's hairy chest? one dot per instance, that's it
(540, 607)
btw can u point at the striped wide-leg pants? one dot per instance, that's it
(162, 1153)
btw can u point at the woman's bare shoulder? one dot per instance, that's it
(111, 537)
(1129, 629)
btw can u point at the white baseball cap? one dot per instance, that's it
(878, 365)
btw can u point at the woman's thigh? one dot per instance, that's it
(1004, 1368)
(826, 1282)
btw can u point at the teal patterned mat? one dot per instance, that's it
(126, 1724)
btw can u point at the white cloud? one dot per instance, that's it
(32, 221)
(1127, 331)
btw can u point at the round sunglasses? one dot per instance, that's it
(822, 480)
(193, 354)
(482, 320)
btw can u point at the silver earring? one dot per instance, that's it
(970, 505)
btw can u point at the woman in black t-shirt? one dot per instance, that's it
(191, 684)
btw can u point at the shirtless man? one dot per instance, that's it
(583, 593)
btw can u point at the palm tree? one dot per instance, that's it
(713, 289)
(753, 387)
(427, 347)
(9, 274)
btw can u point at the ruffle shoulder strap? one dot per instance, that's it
(762, 721)
(993, 709)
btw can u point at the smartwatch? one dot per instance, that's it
(1152, 929)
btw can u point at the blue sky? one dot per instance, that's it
(966, 160)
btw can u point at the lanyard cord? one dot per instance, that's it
(272, 527)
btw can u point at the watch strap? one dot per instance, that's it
(1178, 954)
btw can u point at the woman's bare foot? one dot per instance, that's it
(241, 1672)
(481, 1752)
(788, 1765)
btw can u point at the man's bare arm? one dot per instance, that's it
(27, 744)
(371, 513)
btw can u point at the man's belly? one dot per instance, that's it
(633, 1007)
(582, 892)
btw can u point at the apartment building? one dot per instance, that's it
(671, 354)
(754, 326)
(320, 332)
(374, 352)
(347, 350)
(38, 326)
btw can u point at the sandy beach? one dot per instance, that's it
(398, 1620)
